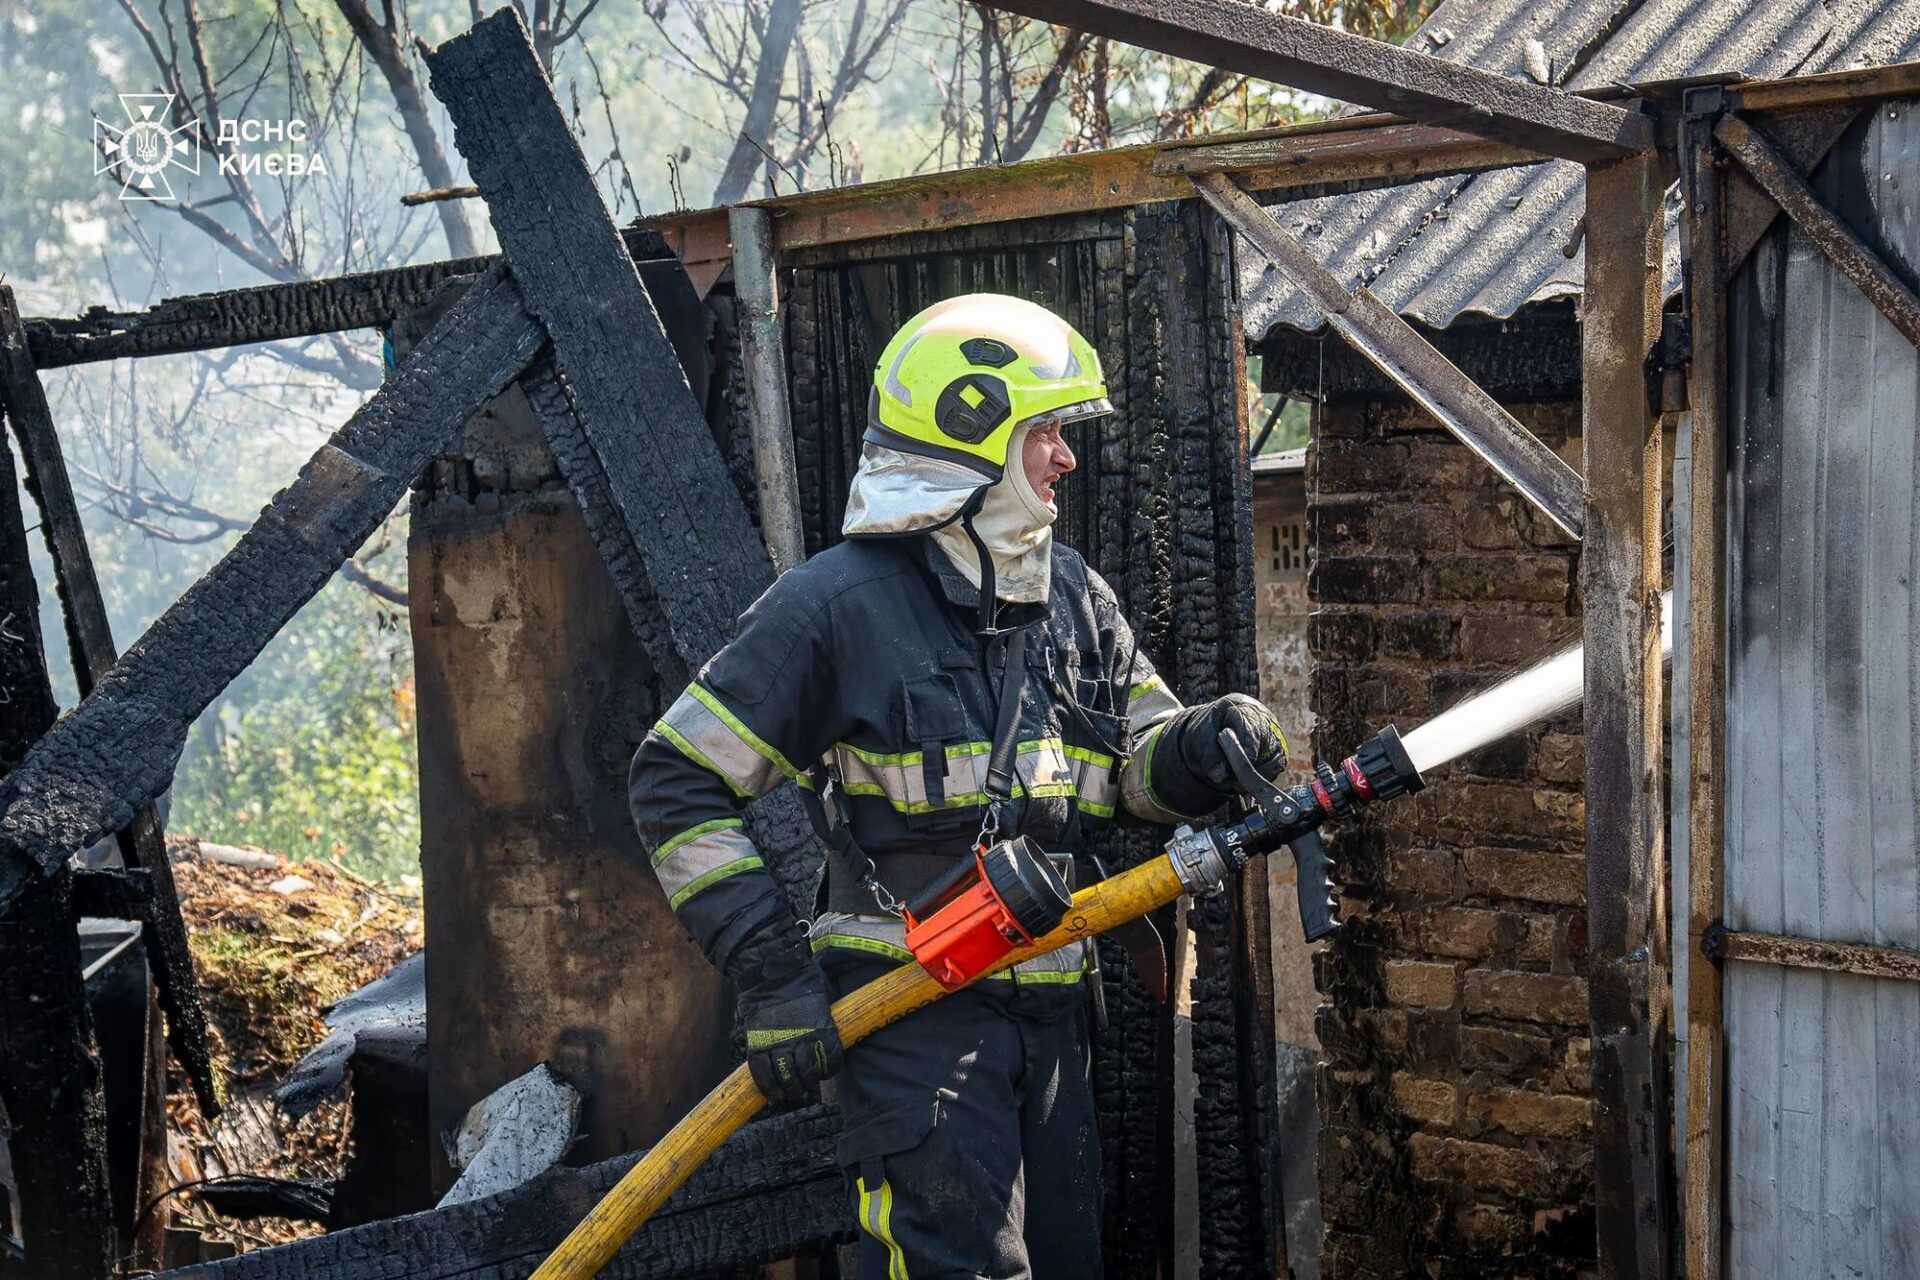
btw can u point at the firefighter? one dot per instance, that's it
(885, 676)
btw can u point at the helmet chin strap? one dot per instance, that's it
(987, 584)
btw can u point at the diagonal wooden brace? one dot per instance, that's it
(1391, 344)
(1857, 261)
(1249, 40)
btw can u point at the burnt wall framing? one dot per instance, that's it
(61, 797)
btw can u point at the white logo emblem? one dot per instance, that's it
(140, 154)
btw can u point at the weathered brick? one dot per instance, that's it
(1574, 1071)
(1512, 1055)
(1478, 1164)
(1428, 636)
(1561, 757)
(1526, 1114)
(1512, 640)
(1506, 759)
(1538, 578)
(1390, 1025)
(1527, 997)
(1431, 1102)
(1490, 525)
(1335, 528)
(1340, 635)
(1444, 464)
(1363, 580)
(1489, 1228)
(1467, 933)
(1349, 466)
(1556, 878)
(1419, 983)
(1429, 872)
(1420, 528)
(1537, 947)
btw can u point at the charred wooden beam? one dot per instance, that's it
(1397, 350)
(632, 441)
(89, 774)
(1249, 40)
(773, 1190)
(1620, 584)
(90, 641)
(50, 1082)
(265, 313)
(1707, 259)
(114, 894)
(1842, 244)
(618, 370)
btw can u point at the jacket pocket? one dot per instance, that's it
(936, 718)
(888, 1132)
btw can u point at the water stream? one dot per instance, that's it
(1544, 689)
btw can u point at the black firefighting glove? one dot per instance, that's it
(1190, 772)
(791, 1041)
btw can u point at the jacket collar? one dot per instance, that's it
(964, 596)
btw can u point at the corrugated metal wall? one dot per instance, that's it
(1823, 723)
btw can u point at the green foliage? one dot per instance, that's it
(311, 753)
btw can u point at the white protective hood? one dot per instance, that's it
(895, 492)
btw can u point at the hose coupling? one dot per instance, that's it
(1203, 870)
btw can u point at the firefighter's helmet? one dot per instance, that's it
(961, 375)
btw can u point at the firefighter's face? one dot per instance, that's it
(1047, 458)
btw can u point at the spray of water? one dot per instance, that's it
(1542, 690)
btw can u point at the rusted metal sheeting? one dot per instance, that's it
(1475, 418)
(1886, 290)
(1823, 737)
(1490, 244)
(1290, 51)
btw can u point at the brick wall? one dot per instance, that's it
(1454, 1095)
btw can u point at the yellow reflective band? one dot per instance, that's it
(691, 833)
(876, 1219)
(746, 735)
(871, 946)
(958, 751)
(713, 876)
(1088, 757)
(694, 754)
(1146, 770)
(1142, 689)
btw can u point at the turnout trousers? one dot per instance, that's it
(970, 1145)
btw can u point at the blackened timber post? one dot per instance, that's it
(1620, 587)
(90, 636)
(50, 1082)
(756, 283)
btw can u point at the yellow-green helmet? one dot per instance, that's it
(960, 376)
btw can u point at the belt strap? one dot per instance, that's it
(1013, 683)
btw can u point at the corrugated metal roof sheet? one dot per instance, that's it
(1489, 244)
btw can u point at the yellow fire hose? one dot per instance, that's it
(885, 1000)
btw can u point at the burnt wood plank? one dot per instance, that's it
(770, 1192)
(89, 775)
(617, 370)
(625, 427)
(1620, 584)
(90, 640)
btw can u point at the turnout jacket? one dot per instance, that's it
(866, 660)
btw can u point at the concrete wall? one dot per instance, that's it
(1456, 1135)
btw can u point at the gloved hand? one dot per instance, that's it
(792, 1044)
(1190, 771)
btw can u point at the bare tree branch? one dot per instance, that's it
(782, 26)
